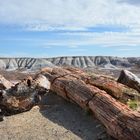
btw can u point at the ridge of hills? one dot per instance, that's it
(107, 62)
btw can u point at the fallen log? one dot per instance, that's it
(116, 90)
(24, 95)
(120, 121)
(131, 80)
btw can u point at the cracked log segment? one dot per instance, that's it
(131, 80)
(115, 89)
(108, 84)
(23, 96)
(74, 85)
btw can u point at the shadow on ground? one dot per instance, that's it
(71, 117)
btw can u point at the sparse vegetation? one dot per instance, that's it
(133, 104)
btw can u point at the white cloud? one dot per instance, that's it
(67, 14)
(76, 15)
(77, 39)
(126, 49)
(73, 47)
(134, 2)
(105, 39)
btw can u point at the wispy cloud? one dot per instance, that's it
(73, 47)
(126, 49)
(72, 23)
(134, 2)
(68, 14)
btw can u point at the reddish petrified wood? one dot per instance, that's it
(24, 95)
(121, 122)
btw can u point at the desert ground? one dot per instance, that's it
(54, 119)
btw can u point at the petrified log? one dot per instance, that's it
(128, 78)
(115, 89)
(112, 87)
(24, 95)
(121, 122)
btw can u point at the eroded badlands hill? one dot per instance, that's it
(76, 61)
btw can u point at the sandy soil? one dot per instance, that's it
(54, 119)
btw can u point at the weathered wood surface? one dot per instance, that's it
(112, 87)
(121, 122)
(95, 93)
(131, 80)
(115, 89)
(4, 84)
(24, 95)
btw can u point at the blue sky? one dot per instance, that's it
(48, 28)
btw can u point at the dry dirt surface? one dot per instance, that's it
(53, 119)
(15, 75)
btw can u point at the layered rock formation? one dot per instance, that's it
(76, 61)
(24, 63)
